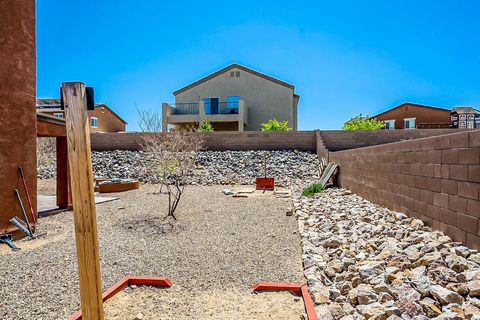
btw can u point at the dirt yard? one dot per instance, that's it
(153, 303)
(219, 247)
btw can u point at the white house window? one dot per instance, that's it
(389, 124)
(94, 122)
(409, 123)
(58, 115)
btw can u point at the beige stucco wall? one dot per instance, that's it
(263, 98)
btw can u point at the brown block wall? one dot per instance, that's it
(217, 141)
(300, 140)
(17, 106)
(434, 179)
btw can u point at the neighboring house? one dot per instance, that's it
(411, 115)
(464, 118)
(235, 98)
(102, 119)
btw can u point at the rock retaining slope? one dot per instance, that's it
(213, 167)
(363, 261)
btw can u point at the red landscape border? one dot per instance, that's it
(292, 287)
(129, 281)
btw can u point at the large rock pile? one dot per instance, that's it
(362, 261)
(213, 167)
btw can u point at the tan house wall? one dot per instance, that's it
(263, 98)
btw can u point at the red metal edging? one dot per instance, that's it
(129, 281)
(291, 287)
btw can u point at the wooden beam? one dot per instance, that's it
(64, 198)
(81, 185)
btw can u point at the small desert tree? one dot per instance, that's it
(275, 125)
(363, 123)
(205, 126)
(173, 156)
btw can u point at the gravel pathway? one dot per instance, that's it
(218, 241)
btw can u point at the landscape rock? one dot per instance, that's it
(383, 263)
(212, 167)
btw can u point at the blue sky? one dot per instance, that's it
(344, 57)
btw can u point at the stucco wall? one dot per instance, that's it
(264, 99)
(17, 106)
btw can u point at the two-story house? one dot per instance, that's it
(235, 98)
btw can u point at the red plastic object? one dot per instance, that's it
(265, 183)
(128, 281)
(291, 287)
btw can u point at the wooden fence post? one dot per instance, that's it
(81, 186)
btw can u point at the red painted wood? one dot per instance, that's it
(274, 286)
(309, 306)
(265, 183)
(128, 281)
(150, 281)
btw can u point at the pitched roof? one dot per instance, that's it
(464, 109)
(227, 68)
(413, 104)
(113, 112)
(53, 104)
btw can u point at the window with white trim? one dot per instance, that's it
(389, 124)
(58, 115)
(409, 123)
(94, 122)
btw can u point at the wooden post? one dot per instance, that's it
(63, 193)
(81, 186)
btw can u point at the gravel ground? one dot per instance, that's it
(152, 303)
(218, 242)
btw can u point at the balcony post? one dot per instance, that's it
(241, 114)
(201, 111)
(166, 111)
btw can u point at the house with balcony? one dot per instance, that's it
(235, 98)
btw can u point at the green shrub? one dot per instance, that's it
(275, 125)
(205, 126)
(312, 189)
(363, 123)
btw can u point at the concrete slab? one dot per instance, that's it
(45, 203)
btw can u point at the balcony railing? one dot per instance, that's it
(221, 108)
(185, 108)
(193, 108)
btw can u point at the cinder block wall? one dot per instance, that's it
(217, 141)
(434, 179)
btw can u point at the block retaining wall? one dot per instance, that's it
(434, 179)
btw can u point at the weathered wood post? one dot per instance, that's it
(81, 184)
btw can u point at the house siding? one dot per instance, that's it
(425, 117)
(263, 98)
(106, 120)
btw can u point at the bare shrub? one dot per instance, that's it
(173, 156)
(149, 120)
